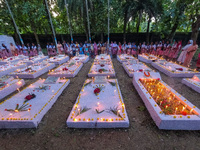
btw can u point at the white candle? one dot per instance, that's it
(79, 111)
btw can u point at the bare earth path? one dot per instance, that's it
(52, 132)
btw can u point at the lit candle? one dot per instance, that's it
(191, 110)
(29, 112)
(176, 110)
(183, 108)
(18, 90)
(118, 113)
(79, 111)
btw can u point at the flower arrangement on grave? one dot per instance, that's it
(29, 70)
(71, 64)
(112, 83)
(43, 87)
(82, 110)
(98, 89)
(29, 97)
(140, 70)
(25, 106)
(115, 111)
(64, 69)
(102, 65)
(102, 70)
(2, 84)
(168, 102)
(180, 69)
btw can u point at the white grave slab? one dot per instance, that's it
(193, 83)
(69, 69)
(8, 85)
(33, 71)
(131, 67)
(147, 58)
(99, 114)
(172, 121)
(102, 58)
(81, 58)
(13, 59)
(39, 105)
(173, 69)
(124, 58)
(35, 59)
(7, 68)
(102, 68)
(59, 59)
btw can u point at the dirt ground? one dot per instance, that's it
(143, 134)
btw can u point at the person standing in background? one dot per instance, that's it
(95, 49)
(182, 56)
(134, 49)
(190, 53)
(119, 52)
(59, 47)
(13, 49)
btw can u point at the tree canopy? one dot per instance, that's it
(126, 16)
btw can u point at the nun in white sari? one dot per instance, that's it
(182, 56)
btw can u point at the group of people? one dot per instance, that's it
(165, 49)
(29, 50)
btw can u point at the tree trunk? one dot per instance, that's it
(125, 23)
(148, 26)
(16, 38)
(195, 29)
(139, 19)
(36, 37)
(171, 35)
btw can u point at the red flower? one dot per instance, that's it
(102, 58)
(65, 69)
(30, 105)
(76, 59)
(11, 58)
(54, 58)
(28, 97)
(5, 109)
(102, 65)
(100, 70)
(158, 79)
(97, 90)
(140, 70)
(180, 69)
(184, 113)
(17, 104)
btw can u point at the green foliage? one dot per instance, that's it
(125, 16)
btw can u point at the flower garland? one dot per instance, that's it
(148, 74)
